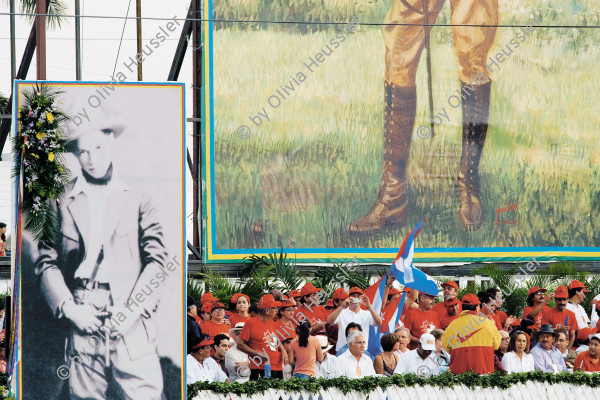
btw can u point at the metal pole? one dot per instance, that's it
(13, 48)
(77, 41)
(138, 14)
(40, 25)
(197, 96)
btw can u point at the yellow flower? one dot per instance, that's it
(35, 155)
(51, 156)
(40, 135)
(50, 117)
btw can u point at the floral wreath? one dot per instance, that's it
(40, 169)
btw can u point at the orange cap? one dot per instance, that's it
(340, 294)
(535, 289)
(309, 288)
(561, 292)
(267, 301)
(577, 284)
(355, 289)
(470, 299)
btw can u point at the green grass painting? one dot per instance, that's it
(302, 176)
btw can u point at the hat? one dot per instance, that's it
(190, 301)
(206, 308)
(237, 328)
(308, 289)
(561, 292)
(585, 333)
(535, 289)
(546, 328)
(576, 285)
(329, 303)
(595, 336)
(355, 289)
(450, 283)
(236, 296)
(267, 301)
(287, 303)
(214, 306)
(340, 294)
(284, 297)
(450, 301)
(470, 299)
(517, 323)
(406, 289)
(98, 118)
(427, 341)
(208, 298)
(294, 293)
(324, 342)
(206, 342)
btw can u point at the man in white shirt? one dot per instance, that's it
(354, 363)
(200, 366)
(329, 368)
(577, 291)
(420, 361)
(236, 361)
(350, 311)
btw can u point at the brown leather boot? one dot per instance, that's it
(391, 205)
(476, 107)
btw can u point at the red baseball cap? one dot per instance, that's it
(236, 296)
(206, 307)
(576, 285)
(406, 289)
(535, 289)
(329, 303)
(294, 293)
(561, 292)
(208, 298)
(450, 283)
(205, 342)
(393, 291)
(214, 306)
(584, 333)
(340, 294)
(451, 301)
(287, 303)
(470, 299)
(267, 301)
(355, 289)
(308, 289)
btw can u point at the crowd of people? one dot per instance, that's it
(294, 335)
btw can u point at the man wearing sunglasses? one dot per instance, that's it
(561, 319)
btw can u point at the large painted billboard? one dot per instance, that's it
(333, 131)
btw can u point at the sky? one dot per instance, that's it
(100, 44)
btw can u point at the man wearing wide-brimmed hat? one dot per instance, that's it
(110, 252)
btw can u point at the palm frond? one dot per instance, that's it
(56, 10)
(3, 103)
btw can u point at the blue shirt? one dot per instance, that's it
(548, 361)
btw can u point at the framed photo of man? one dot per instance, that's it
(102, 304)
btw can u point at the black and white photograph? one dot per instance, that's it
(102, 315)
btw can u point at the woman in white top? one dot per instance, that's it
(517, 357)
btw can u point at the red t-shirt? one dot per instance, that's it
(212, 329)
(440, 309)
(585, 363)
(261, 337)
(559, 319)
(235, 318)
(314, 314)
(447, 319)
(282, 330)
(420, 322)
(538, 318)
(502, 317)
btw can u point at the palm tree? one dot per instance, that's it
(56, 10)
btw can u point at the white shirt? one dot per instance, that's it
(208, 371)
(350, 367)
(583, 347)
(582, 319)
(233, 356)
(411, 361)
(512, 363)
(362, 317)
(594, 314)
(329, 368)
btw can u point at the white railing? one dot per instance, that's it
(520, 391)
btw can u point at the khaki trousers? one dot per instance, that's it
(404, 43)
